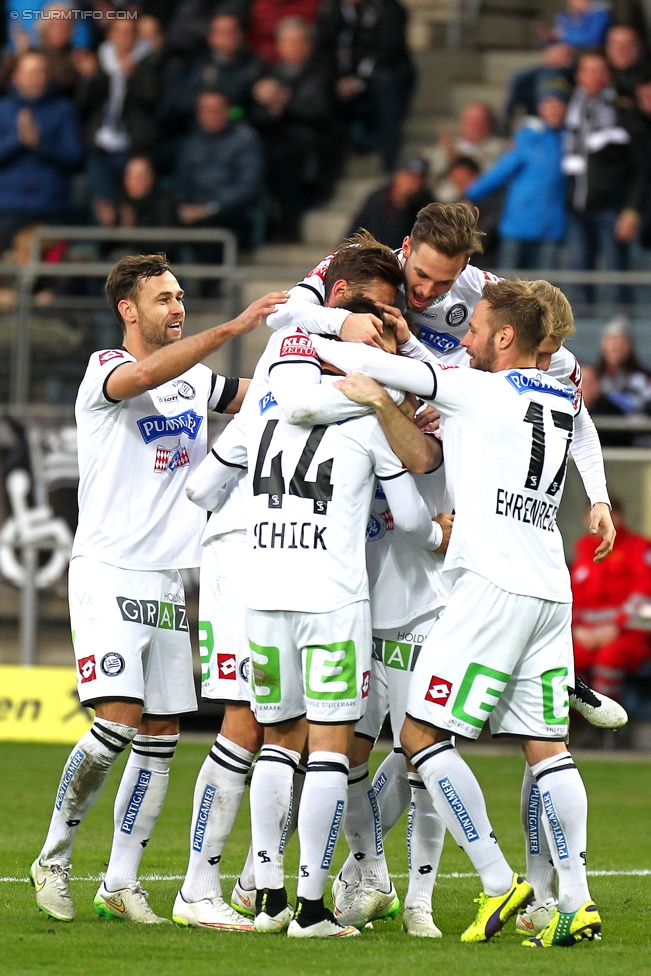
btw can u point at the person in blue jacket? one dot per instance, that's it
(40, 145)
(533, 220)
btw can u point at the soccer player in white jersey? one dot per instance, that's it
(367, 269)
(510, 662)
(440, 291)
(312, 490)
(141, 421)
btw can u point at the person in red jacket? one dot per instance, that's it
(606, 596)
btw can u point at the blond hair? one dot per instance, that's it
(516, 303)
(561, 318)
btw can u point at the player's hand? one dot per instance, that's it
(257, 311)
(428, 419)
(399, 322)
(601, 522)
(362, 327)
(362, 389)
(446, 522)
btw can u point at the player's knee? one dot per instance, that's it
(240, 726)
(360, 750)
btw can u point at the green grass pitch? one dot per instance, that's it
(33, 945)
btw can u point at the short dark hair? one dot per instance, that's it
(361, 259)
(518, 304)
(126, 277)
(450, 228)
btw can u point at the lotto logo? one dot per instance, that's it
(366, 684)
(106, 357)
(439, 691)
(298, 345)
(227, 666)
(86, 667)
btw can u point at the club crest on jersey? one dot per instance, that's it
(185, 389)
(456, 315)
(522, 383)
(379, 524)
(151, 428)
(108, 355)
(298, 345)
(440, 342)
(112, 664)
(170, 460)
(267, 402)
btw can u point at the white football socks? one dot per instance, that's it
(459, 801)
(321, 815)
(393, 795)
(84, 777)
(217, 797)
(540, 868)
(363, 829)
(565, 817)
(425, 835)
(271, 812)
(137, 805)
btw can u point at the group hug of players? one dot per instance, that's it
(364, 556)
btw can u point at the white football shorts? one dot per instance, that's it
(495, 656)
(313, 664)
(395, 653)
(131, 637)
(223, 646)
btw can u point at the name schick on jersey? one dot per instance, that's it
(292, 535)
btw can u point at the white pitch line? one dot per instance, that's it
(638, 873)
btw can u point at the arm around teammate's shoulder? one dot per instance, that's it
(133, 378)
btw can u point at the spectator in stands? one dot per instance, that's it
(623, 379)
(190, 24)
(601, 171)
(607, 645)
(294, 113)
(264, 16)
(601, 406)
(220, 171)
(389, 213)
(228, 64)
(627, 58)
(366, 43)
(142, 202)
(639, 126)
(533, 221)
(556, 70)
(475, 137)
(54, 39)
(462, 172)
(583, 24)
(23, 32)
(118, 99)
(40, 145)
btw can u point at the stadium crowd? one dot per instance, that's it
(239, 114)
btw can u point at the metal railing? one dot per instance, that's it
(28, 274)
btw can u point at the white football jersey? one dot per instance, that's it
(442, 324)
(310, 493)
(507, 439)
(134, 459)
(406, 581)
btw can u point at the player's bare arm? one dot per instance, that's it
(418, 452)
(601, 523)
(166, 354)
